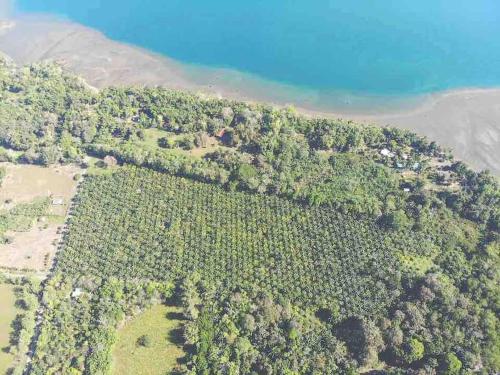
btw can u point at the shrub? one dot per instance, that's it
(144, 341)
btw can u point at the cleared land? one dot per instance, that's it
(161, 325)
(7, 316)
(152, 137)
(23, 183)
(34, 248)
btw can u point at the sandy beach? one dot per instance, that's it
(467, 121)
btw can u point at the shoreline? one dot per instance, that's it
(467, 120)
(213, 81)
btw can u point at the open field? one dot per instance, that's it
(152, 136)
(161, 325)
(23, 183)
(32, 246)
(7, 315)
(32, 250)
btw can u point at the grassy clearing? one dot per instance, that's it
(161, 324)
(152, 136)
(96, 167)
(23, 183)
(7, 316)
(418, 264)
(29, 217)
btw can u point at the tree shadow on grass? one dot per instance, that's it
(173, 301)
(172, 315)
(175, 336)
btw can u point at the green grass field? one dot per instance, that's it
(152, 136)
(7, 316)
(161, 324)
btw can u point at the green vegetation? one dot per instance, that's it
(295, 245)
(331, 272)
(149, 343)
(7, 316)
(21, 217)
(52, 117)
(137, 224)
(18, 296)
(80, 330)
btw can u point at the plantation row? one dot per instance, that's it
(141, 225)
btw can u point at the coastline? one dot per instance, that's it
(465, 120)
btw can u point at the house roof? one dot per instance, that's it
(387, 152)
(57, 201)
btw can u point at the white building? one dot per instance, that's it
(387, 153)
(57, 201)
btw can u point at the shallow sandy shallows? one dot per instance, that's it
(467, 121)
(35, 249)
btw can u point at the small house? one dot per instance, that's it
(110, 161)
(57, 201)
(77, 292)
(387, 153)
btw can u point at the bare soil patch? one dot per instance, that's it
(35, 249)
(32, 250)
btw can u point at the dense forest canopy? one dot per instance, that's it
(295, 245)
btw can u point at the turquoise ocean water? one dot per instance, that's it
(361, 47)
